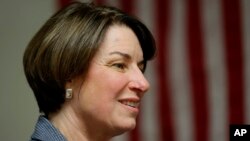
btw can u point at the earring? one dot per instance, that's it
(69, 93)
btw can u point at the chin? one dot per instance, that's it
(123, 124)
(127, 126)
(123, 130)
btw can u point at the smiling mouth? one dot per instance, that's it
(133, 104)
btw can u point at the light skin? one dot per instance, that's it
(106, 102)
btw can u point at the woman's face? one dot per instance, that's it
(111, 93)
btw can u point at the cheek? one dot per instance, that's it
(107, 81)
(102, 89)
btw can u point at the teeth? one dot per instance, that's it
(131, 103)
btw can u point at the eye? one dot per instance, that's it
(142, 69)
(141, 66)
(120, 66)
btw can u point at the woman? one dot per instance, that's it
(85, 67)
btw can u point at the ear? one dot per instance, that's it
(73, 83)
(69, 84)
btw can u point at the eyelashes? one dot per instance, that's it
(142, 66)
(123, 67)
(120, 66)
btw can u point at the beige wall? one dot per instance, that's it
(19, 20)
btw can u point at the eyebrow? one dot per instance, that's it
(127, 56)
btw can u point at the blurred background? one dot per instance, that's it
(200, 79)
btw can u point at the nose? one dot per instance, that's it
(138, 82)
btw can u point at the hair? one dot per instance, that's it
(65, 45)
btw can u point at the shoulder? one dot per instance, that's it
(45, 131)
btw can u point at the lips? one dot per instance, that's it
(134, 104)
(130, 102)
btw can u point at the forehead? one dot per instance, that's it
(121, 38)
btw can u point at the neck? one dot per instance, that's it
(73, 127)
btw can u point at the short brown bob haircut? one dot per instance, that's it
(65, 45)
